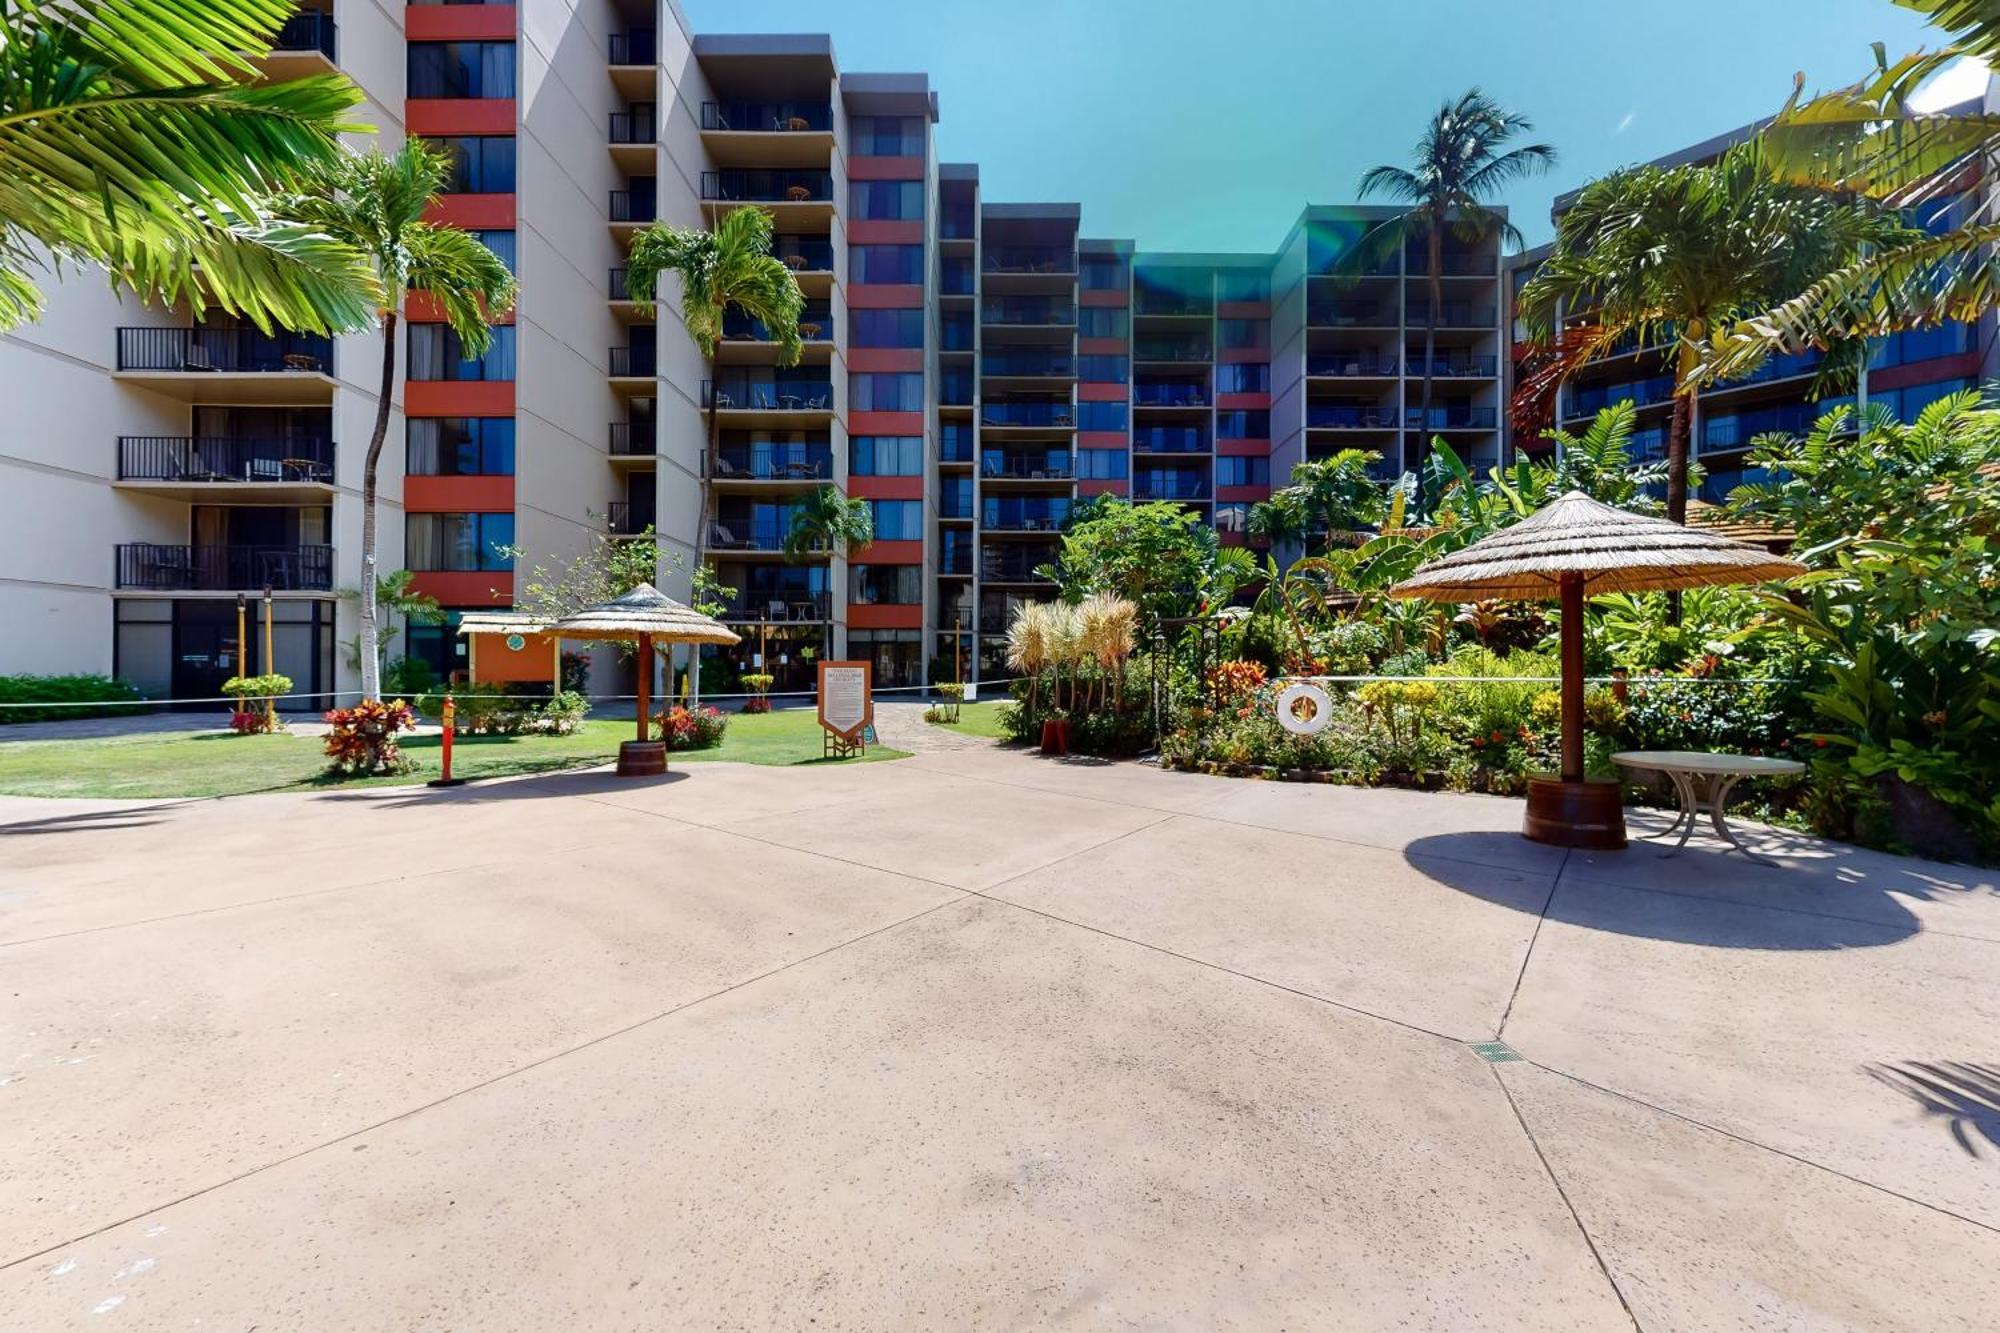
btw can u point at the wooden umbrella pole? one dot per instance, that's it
(1572, 677)
(646, 679)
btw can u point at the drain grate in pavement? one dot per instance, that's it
(1494, 1052)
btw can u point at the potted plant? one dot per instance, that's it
(759, 685)
(1055, 732)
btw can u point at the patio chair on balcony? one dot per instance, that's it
(720, 535)
(776, 609)
(797, 194)
(819, 402)
(728, 471)
(263, 469)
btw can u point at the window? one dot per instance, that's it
(887, 136)
(457, 541)
(1103, 273)
(1101, 464)
(898, 520)
(1243, 332)
(899, 585)
(879, 392)
(460, 447)
(436, 354)
(1232, 518)
(1243, 425)
(500, 243)
(1101, 416)
(1104, 369)
(1242, 287)
(480, 163)
(902, 264)
(886, 328)
(1101, 322)
(1236, 377)
(461, 69)
(886, 201)
(955, 497)
(441, 646)
(886, 456)
(1231, 471)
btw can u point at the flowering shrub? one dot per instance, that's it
(1233, 683)
(249, 723)
(251, 694)
(691, 728)
(563, 713)
(362, 739)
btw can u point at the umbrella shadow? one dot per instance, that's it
(536, 787)
(93, 822)
(1964, 1095)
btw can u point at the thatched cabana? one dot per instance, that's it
(1567, 551)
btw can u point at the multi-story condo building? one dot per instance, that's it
(972, 369)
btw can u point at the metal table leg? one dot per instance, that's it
(1684, 815)
(1690, 807)
(1716, 802)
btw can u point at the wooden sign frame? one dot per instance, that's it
(850, 740)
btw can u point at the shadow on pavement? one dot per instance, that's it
(1965, 1096)
(539, 787)
(93, 822)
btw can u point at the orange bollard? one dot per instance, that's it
(450, 727)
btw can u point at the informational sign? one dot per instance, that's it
(847, 699)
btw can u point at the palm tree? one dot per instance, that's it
(133, 136)
(1326, 496)
(1461, 161)
(1674, 253)
(729, 268)
(825, 520)
(375, 204)
(1028, 645)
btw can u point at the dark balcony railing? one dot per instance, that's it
(955, 560)
(1331, 417)
(1169, 395)
(1027, 364)
(795, 187)
(1027, 414)
(622, 518)
(1029, 259)
(1055, 466)
(220, 459)
(815, 324)
(774, 463)
(768, 117)
(802, 255)
(778, 606)
(619, 290)
(1454, 315)
(1011, 516)
(764, 531)
(307, 30)
(227, 350)
(1171, 304)
(641, 46)
(636, 126)
(1169, 440)
(633, 439)
(1456, 367)
(634, 206)
(1172, 349)
(955, 503)
(1017, 564)
(1350, 314)
(1453, 418)
(1590, 400)
(1169, 486)
(768, 395)
(151, 567)
(1343, 365)
(1737, 429)
(955, 389)
(1418, 265)
(634, 362)
(1003, 311)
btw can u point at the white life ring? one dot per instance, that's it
(1317, 699)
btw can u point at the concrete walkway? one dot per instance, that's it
(977, 1040)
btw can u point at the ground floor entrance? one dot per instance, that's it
(186, 647)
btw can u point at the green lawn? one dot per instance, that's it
(980, 719)
(211, 764)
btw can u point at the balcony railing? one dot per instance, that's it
(152, 567)
(768, 395)
(1350, 315)
(1350, 418)
(1171, 305)
(803, 256)
(222, 350)
(1169, 395)
(955, 389)
(1029, 259)
(774, 463)
(223, 459)
(768, 117)
(1340, 365)
(958, 222)
(1453, 418)
(1027, 364)
(1027, 467)
(633, 439)
(1172, 349)
(794, 187)
(1454, 315)
(1418, 265)
(1169, 440)
(307, 30)
(955, 334)
(640, 46)
(636, 126)
(1024, 518)
(624, 519)
(634, 206)
(1588, 401)
(954, 503)
(815, 324)
(620, 290)
(1737, 429)
(955, 560)
(1027, 414)
(1457, 367)
(1049, 313)
(1172, 486)
(1016, 565)
(634, 362)
(740, 534)
(778, 606)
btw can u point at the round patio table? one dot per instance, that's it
(1723, 771)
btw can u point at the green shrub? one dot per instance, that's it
(409, 677)
(563, 713)
(485, 708)
(108, 695)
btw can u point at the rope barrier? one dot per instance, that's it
(137, 705)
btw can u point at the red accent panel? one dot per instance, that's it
(891, 616)
(885, 168)
(1095, 296)
(459, 23)
(1232, 539)
(1235, 402)
(1963, 366)
(1100, 393)
(423, 308)
(437, 116)
(889, 553)
(1101, 439)
(1102, 347)
(1243, 448)
(472, 211)
(1225, 494)
(884, 296)
(1243, 310)
(886, 488)
(860, 232)
(458, 398)
(885, 358)
(1100, 488)
(467, 587)
(885, 423)
(458, 495)
(1238, 356)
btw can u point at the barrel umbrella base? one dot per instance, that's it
(642, 759)
(1589, 815)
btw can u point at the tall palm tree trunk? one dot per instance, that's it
(1680, 431)
(1436, 290)
(711, 452)
(371, 652)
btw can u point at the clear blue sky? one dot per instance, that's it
(1193, 125)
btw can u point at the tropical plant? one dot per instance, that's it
(1597, 462)
(728, 268)
(396, 594)
(1326, 497)
(825, 520)
(361, 741)
(1460, 161)
(135, 135)
(1108, 629)
(1028, 646)
(375, 204)
(1158, 555)
(1674, 253)
(256, 701)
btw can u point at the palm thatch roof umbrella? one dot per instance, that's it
(646, 616)
(1568, 550)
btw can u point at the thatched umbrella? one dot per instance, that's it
(648, 616)
(1569, 550)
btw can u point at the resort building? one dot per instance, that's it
(972, 368)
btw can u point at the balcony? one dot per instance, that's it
(1355, 365)
(955, 389)
(955, 333)
(211, 467)
(955, 560)
(633, 439)
(1170, 305)
(955, 277)
(1054, 415)
(218, 365)
(622, 518)
(743, 394)
(767, 117)
(1029, 313)
(1417, 264)
(1015, 564)
(1172, 349)
(1351, 315)
(808, 194)
(1169, 395)
(1454, 315)
(1016, 515)
(761, 532)
(152, 567)
(1055, 465)
(1051, 259)
(636, 127)
(1026, 365)
(1457, 367)
(634, 363)
(955, 442)
(1331, 417)
(1169, 440)
(1737, 429)
(815, 325)
(1169, 486)
(958, 221)
(639, 46)
(1589, 401)
(1453, 418)
(797, 463)
(308, 32)
(802, 254)
(778, 606)
(633, 206)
